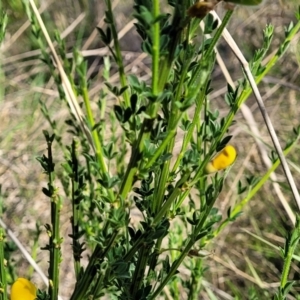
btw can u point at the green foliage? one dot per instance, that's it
(137, 260)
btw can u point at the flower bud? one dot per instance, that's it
(222, 160)
(200, 9)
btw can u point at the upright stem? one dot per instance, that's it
(190, 243)
(75, 208)
(3, 291)
(290, 247)
(118, 54)
(54, 238)
(155, 48)
(152, 109)
(95, 135)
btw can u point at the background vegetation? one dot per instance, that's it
(243, 261)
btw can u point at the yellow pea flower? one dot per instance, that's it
(222, 160)
(23, 289)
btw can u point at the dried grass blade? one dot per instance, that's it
(69, 93)
(230, 41)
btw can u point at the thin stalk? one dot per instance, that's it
(173, 269)
(213, 43)
(175, 286)
(197, 273)
(139, 271)
(152, 263)
(132, 168)
(55, 239)
(155, 48)
(97, 287)
(189, 135)
(196, 281)
(160, 189)
(185, 251)
(153, 107)
(135, 247)
(90, 117)
(166, 207)
(95, 135)
(160, 149)
(75, 208)
(175, 117)
(218, 33)
(84, 284)
(292, 244)
(3, 290)
(118, 54)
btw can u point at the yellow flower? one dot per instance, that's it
(23, 289)
(222, 160)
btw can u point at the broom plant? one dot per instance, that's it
(141, 208)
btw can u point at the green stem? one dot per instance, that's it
(166, 207)
(173, 269)
(161, 184)
(90, 117)
(83, 285)
(162, 212)
(152, 109)
(97, 288)
(196, 118)
(139, 271)
(160, 149)
(118, 56)
(132, 168)
(218, 33)
(95, 135)
(196, 281)
(155, 48)
(75, 208)
(209, 51)
(155, 254)
(55, 239)
(3, 284)
(291, 245)
(169, 142)
(197, 272)
(185, 251)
